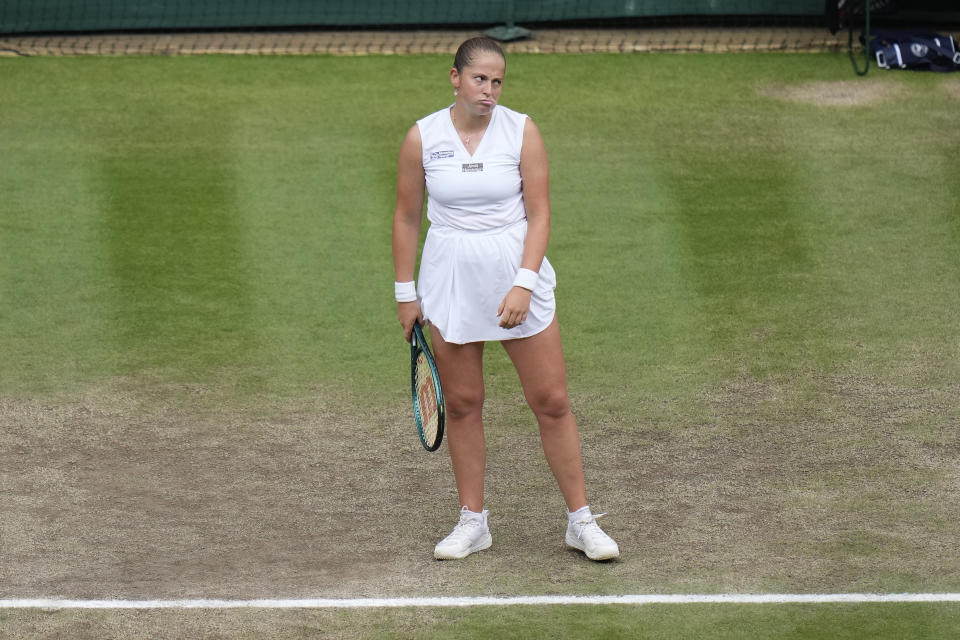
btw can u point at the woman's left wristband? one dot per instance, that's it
(405, 291)
(526, 278)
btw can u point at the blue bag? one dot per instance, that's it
(914, 50)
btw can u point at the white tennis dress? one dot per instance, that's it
(477, 228)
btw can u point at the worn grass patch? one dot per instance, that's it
(952, 86)
(756, 489)
(849, 93)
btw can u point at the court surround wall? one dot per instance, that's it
(39, 16)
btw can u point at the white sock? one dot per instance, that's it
(580, 514)
(479, 515)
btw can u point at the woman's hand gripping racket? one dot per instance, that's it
(427, 393)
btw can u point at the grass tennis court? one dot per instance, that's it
(203, 384)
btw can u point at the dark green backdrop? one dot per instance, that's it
(24, 16)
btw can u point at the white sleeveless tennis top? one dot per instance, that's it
(477, 228)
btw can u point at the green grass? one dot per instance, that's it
(742, 278)
(653, 622)
(225, 221)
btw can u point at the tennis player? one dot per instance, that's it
(484, 277)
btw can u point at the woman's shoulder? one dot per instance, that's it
(511, 115)
(510, 122)
(436, 116)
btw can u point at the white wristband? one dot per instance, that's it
(526, 278)
(405, 291)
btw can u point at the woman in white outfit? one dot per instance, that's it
(484, 276)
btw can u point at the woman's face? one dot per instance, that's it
(478, 87)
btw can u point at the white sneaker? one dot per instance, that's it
(587, 536)
(471, 534)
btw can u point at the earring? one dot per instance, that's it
(454, 92)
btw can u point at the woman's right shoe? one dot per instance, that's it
(471, 534)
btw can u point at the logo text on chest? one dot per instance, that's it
(439, 155)
(469, 167)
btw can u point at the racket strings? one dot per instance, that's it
(427, 400)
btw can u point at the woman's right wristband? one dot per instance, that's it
(405, 291)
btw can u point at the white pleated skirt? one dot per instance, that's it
(464, 275)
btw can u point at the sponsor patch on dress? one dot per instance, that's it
(439, 155)
(471, 166)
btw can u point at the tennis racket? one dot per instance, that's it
(427, 393)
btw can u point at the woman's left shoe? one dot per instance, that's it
(586, 535)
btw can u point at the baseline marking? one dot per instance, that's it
(479, 601)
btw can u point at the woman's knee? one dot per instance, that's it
(463, 403)
(550, 403)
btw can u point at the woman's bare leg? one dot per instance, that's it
(543, 375)
(461, 374)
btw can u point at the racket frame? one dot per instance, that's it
(418, 345)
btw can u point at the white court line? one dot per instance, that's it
(364, 603)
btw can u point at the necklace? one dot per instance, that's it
(465, 138)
